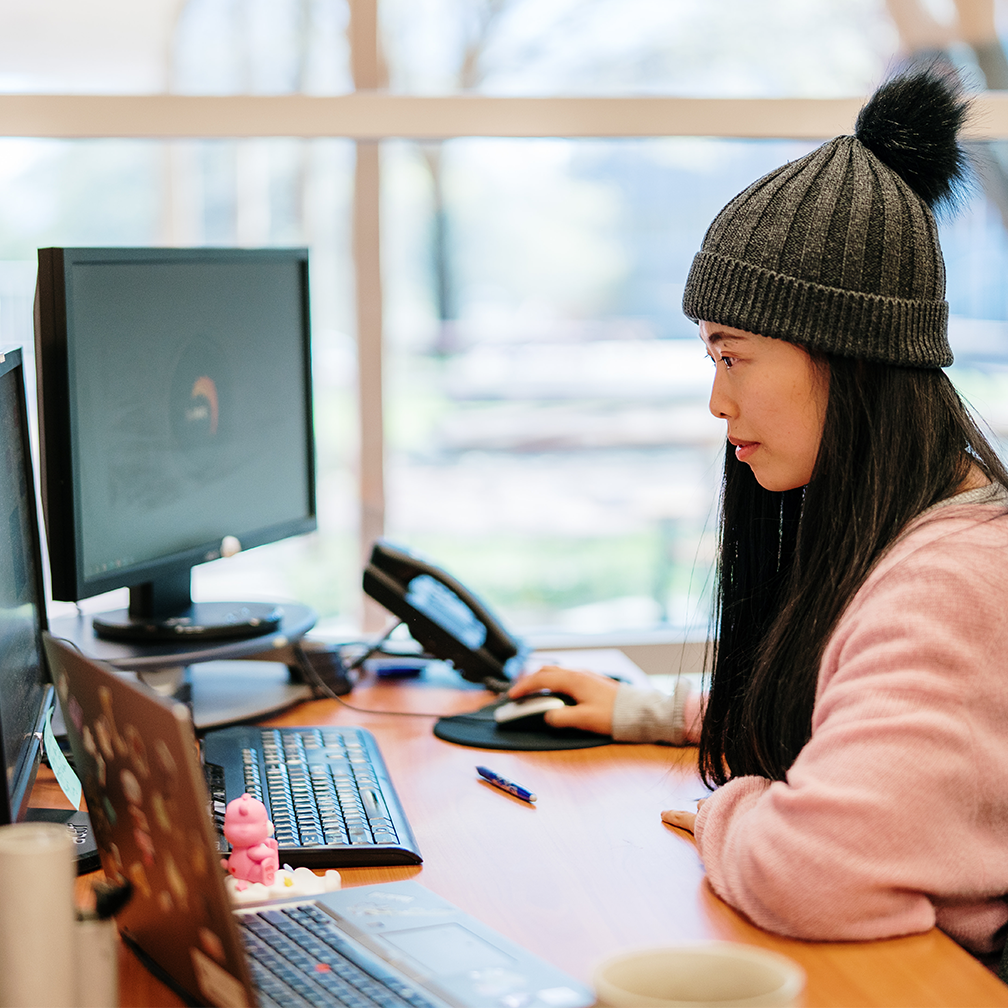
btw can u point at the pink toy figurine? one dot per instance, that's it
(254, 853)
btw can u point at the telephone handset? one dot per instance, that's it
(443, 616)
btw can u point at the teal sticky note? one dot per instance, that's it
(65, 776)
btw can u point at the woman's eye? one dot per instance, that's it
(721, 358)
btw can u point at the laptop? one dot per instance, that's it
(394, 943)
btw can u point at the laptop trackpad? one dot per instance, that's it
(450, 950)
(446, 949)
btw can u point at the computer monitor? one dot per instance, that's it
(175, 413)
(26, 694)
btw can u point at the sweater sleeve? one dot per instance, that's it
(647, 715)
(894, 811)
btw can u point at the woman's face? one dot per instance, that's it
(773, 396)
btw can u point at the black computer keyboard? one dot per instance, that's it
(325, 788)
(298, 956)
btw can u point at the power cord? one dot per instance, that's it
(326, 689)
(377, 645)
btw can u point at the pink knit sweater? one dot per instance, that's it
(894, 817)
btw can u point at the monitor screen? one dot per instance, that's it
(175, 410)
(25, 694)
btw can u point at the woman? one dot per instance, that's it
(856, 727)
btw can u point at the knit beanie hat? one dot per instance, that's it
(839, 251)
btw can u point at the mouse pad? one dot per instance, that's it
(479, 729)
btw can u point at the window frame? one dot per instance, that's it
(369, 115)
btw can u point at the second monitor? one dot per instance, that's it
(175, 411)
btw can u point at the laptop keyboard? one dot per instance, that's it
(325, 788)
(297, 957)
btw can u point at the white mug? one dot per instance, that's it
(37, 873)
(701, 975)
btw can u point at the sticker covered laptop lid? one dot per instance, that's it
(136, 756)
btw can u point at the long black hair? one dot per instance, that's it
(895, 441)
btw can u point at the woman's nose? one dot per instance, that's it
(721, 404)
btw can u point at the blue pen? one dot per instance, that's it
(505, 785)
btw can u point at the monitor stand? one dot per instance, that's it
(207, 674)
(163, 610)
(219, 693)
(204, 620)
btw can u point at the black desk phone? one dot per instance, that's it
(443, 616)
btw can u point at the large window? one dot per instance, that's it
(504, 379)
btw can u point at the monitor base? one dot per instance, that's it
(227, 692)
(265, 681)
(200, 621)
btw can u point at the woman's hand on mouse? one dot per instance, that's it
(595, 696)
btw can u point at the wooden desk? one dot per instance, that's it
(591, 869)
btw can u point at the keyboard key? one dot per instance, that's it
(300, 956)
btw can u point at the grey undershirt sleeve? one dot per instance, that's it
(646, 715)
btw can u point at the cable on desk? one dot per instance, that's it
(377, 645)
(316, 680)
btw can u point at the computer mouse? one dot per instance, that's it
(531, 705)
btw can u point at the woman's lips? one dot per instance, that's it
(744, 449)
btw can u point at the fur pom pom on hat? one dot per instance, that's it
(838, 251)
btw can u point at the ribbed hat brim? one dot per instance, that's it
(911, 333)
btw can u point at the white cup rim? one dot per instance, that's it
(791, 986)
